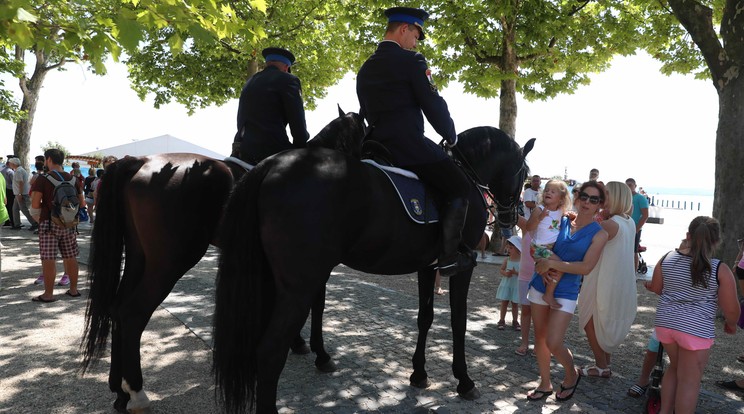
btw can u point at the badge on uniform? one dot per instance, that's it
(431, 80)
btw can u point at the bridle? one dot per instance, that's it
(511, 208)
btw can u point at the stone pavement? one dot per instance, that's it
(370, 331)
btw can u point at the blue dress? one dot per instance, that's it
(509, 286)
(570, 248)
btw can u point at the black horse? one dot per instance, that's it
(163, 211)
(296, 216)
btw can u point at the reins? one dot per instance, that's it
(470, 172)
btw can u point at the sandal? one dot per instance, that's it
(637, 391)
(538, 395)
(439, 291)
(41, 299)
(729, 385)
(68, 293)
(601, 372)
(740, 358)
(572, 389)
(516, 326)
(501, 325)
(521, 351)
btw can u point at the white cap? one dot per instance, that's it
(517, 242)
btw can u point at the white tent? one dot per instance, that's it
(158, 145)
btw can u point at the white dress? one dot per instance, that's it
(608, 293)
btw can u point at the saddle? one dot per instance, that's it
(240, 163)
(419, 201)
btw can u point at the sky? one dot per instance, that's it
(631, 121)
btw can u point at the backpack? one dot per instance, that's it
(65, 202)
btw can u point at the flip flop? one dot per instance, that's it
(520, 352)
(729, 385)
(637, 391)
(538, 395)
(41, 299)
(572, 389)
(740, 358)
(70, 294)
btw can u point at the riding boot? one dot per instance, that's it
(453, 261)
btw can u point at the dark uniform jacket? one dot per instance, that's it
(270, 100)
(393, 90)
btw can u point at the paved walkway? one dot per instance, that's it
(370, 330)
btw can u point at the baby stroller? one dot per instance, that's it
(653, 395)
(642, 267)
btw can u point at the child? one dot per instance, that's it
(508, 290)
(545, 226)
(649, 360)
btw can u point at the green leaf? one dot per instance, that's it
(259, 5)
(176, 43)
(129, 33)
(25, 16)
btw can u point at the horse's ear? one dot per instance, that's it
(528, 147)
(341, 112)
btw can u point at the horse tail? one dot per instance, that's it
(104, 262)
(243, 298)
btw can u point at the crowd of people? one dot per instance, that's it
(579, 249)
(34, 195)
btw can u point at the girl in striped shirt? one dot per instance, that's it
(691, 284)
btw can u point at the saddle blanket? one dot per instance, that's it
(417, 200)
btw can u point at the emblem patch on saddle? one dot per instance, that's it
(416, 198)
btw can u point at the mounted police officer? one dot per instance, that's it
(270, 100)
(394, 87)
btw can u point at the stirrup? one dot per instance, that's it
(461, 263)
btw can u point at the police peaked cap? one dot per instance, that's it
(409, 15)
(278, 54)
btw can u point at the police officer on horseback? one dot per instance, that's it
(394, 88)
(269, 101)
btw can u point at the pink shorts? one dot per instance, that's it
(53, 237)
(684, 340)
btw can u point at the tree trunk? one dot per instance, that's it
(31, 89)
(729, 187)
(508, 93)
(508, 107)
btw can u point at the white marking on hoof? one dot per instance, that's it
(138, 401)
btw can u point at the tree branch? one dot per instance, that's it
(697, 19)
(473, 45)
(578, 8)
(731, 31)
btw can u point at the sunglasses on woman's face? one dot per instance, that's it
(592, 199)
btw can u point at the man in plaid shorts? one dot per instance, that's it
(53, 237)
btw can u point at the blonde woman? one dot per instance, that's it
(607, 301)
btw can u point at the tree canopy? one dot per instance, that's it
(201, 73)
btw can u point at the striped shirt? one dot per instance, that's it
(683, 307)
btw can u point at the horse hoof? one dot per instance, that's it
(303, 349)
(424, 383)
(326, 367)
(471, 395)
(120, 405)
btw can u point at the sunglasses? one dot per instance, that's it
(592, 199)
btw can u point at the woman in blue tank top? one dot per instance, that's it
(576, 252)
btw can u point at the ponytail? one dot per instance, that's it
(704, 233)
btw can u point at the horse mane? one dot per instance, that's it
(480, 143)
(344, 134)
